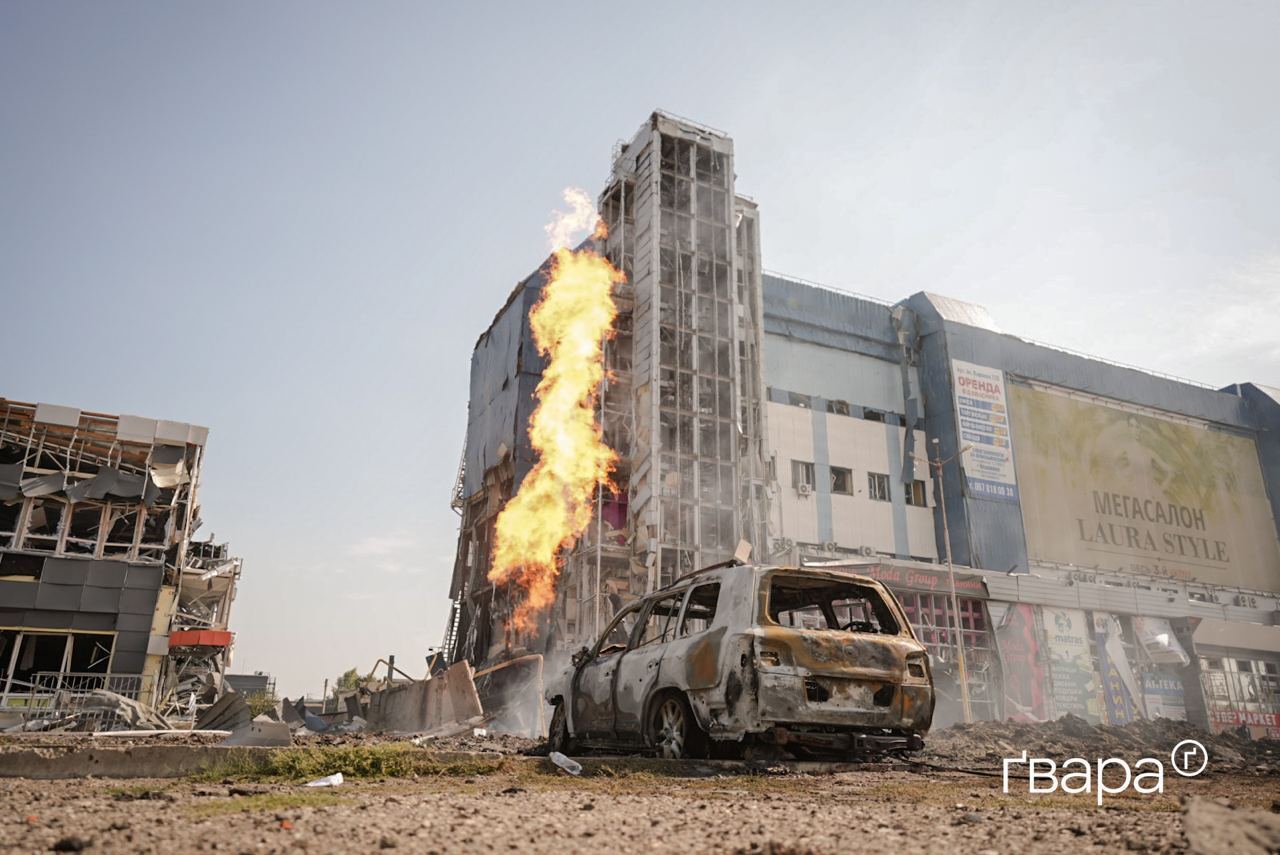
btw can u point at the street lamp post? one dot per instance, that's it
(937, 463)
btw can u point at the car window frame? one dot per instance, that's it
(637, 607)
(764, 593)
(638, 633)
(688, 597)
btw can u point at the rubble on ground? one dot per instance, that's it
(1212, 827)
(987, 743)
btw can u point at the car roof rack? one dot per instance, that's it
(732, 562)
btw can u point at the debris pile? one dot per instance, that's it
(987, 743)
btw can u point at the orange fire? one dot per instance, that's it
(556, 498)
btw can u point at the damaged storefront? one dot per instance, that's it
(1112, 649)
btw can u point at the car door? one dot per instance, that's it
(640, 667)
(592, 689)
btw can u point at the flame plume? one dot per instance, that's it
(554, 504)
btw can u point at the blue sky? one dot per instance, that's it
(290, 222)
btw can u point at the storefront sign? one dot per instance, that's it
(1075, 683)
(1162, 693)
(1235, 718)
(933, 581)
(982, 414)
(1126, 490)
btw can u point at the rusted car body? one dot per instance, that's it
(820, 661)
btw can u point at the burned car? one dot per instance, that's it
(819, 661)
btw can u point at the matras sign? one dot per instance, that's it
(982, 416)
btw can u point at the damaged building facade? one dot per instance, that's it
(682, 405)
(101, 583)
(1114, 531)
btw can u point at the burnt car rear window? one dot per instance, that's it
(812, 603)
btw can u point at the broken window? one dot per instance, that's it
(43, 524)
(660, 623)
(839, 408)
(916, 494)
(618, 635)
(36, 652)
(9, 513)
(841, 481)
(878, 486)
(122, 520)
(683, 195)
(667, 387)
(701, 609)
(817, 603)
(90, 653)
(667, 305)
(86, 520)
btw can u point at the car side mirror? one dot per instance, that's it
(581, 656)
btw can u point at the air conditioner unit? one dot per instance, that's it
(830, 546)
(867, 551)
(804, 489)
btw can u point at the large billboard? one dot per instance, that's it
(983, 417)
(1108, 487)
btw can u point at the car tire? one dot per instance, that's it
(558, 738)
(674, 731)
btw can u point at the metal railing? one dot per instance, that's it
(57, 699)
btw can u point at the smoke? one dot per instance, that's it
(581, 217)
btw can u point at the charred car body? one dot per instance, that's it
(819, 661)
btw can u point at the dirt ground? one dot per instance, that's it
(528, 806)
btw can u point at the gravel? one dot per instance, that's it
(538, 811)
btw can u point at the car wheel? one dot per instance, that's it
(558, 738)
(676, 734)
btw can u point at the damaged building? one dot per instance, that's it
(682, 404)
(102, 585)
(1114, 531)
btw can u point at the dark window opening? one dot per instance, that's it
(82, 536)
(841, 481)
(39, 652)
(795, 399)
(839, 408)
(42, 525)
(9, 513)
(90, 654)
(916, 494)
(17, 564)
